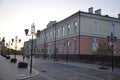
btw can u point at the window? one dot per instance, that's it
(67, 48)
(57, 46)
(96, 28)
(68, 29)
(114, 48)
(75, 27)
(112, 29)
(74, 46)
(41, 38)
(94, 45)
(59, 32)
(62, 47)
(54, 33)
(51, 35)
(63, 31)
(48, 36)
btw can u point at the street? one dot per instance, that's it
(60, 70)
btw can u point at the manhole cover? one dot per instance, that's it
(43, 71)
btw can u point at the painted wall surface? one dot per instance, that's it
(97, 27)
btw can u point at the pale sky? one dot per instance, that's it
(17, 15)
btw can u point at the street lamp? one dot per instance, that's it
(32, 33)
(112, 39)
(8, 47)
(16, 41)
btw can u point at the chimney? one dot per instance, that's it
(90, 10)
(118, 16)
(98, 12)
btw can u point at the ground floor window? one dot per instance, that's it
(94, 45)
(74, 46)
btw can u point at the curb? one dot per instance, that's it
(31, 75)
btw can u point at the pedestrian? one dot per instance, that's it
(23, 58)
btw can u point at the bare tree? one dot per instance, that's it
(103, 53)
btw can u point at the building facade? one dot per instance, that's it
(78, 34)
(27, 47)
(2, 45)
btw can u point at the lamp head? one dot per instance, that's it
(38, 33)
(19, 40)
(26, 31)
(12, 40)
(33, 28)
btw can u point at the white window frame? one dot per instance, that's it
(94, 45)
(68, 29)
(63, 31)
(74, 46)
(96, 26)
(75, 26)
(112, 29)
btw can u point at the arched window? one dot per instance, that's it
(112, 29)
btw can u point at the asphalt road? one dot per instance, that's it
(50, 70)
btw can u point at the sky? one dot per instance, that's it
(17, 15)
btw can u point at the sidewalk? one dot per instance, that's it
(91, 66)
(10, 71)
(84, 65)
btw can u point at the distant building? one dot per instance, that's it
(2, 45)
(27, 47)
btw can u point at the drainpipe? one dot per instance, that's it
(55, 44)
(79, 34)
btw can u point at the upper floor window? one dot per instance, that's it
(59, 32)
(48, 36)
(63, 31)
(68, 29)
(96, 28)
(51, 35)
(112, 29)
(75, 26)
(54, 33)
(42, 38)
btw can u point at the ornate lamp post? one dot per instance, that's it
(16, 41)
(112, 39)
(32, 33)
(8, 46)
